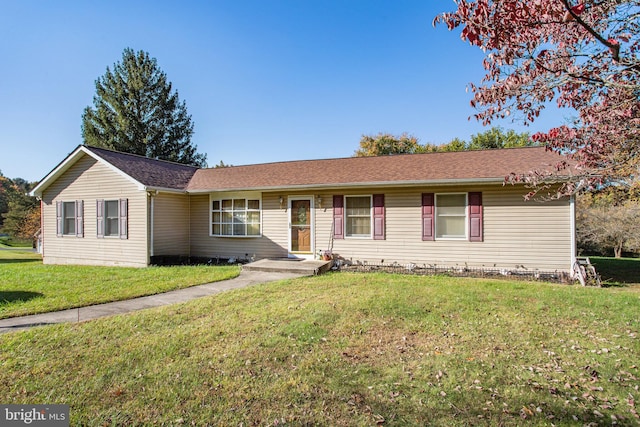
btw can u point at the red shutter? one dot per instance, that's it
(59, 219)
(378, 217)
(475, 217)
(79, 218)
(428, 212)
(100, 218)
(123, 218)
(338, 217)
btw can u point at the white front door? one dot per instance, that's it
(301, 227)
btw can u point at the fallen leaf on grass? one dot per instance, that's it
(526, 412)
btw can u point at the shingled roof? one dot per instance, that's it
(488, 166)
(149, 172)
(408, 169)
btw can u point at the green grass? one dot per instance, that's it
(18, 255)
(346, 349)
(617, 271)
(7, 241)
(29, 287)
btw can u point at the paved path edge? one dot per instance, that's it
(246, 278)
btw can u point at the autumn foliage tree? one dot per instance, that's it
(384, 144)
(19, 212)
(582, 55)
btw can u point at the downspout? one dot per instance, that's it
(574, 246)
(189, 225)
(41, 228)
(151, 195)
(151, 252)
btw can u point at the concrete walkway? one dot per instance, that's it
(246, 278)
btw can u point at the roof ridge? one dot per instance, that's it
(94, 148)
(332, 159)
(490, 165)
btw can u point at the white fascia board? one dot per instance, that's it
(165, 190)
(56, 172)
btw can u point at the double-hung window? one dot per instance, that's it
(112, 218)
(235, 216)
(454, 216)
(451, 216)
(69, 218)
(358, 216)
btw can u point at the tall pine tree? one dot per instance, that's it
(135, 111)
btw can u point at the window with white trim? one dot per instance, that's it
(451, 216)
(112, 218)
(357, 216)
(69, 218)
(236, 217)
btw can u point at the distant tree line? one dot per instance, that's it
(387, 144)
(608, 221)
(19, 212)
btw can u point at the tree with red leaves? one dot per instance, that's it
(582, 55)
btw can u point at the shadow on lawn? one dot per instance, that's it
(17, 260)
(14, 296)
(617, 271)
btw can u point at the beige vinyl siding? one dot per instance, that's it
(89, 180)
(516, 232)
(170, 224)
(272, 243)
(199, 229)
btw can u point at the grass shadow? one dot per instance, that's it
(617, 271)
(15, 296)
(17, 260)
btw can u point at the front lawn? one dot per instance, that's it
(29, 287)
(345, 349)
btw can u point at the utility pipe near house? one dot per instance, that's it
(151, 195)
(574, 246)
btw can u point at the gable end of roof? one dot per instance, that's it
(144, 172)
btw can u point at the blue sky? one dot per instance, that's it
(263, 80)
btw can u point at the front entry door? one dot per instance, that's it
(300, 238)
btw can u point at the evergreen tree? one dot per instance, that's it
(384, 144)
(136, 111)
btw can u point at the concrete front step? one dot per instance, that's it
(287, 265)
